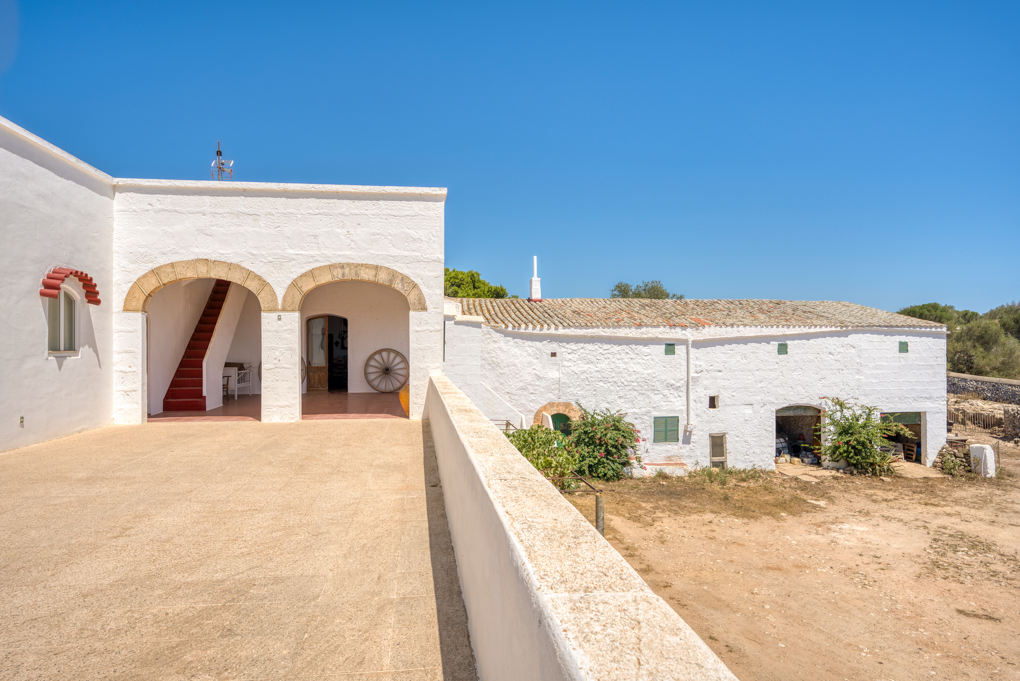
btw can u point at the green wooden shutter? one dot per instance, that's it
(783, 348)
(670, 348)
(659, 431)
(904, 346)
(672, 429)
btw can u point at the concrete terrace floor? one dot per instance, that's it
(230, 550)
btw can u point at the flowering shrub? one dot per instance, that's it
(854, 433)
(546, 450)
(603, 443)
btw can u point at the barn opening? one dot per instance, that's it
(907, 446)
(797, 432)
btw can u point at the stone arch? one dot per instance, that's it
(141, 291)
(350, 271)
(567, 408)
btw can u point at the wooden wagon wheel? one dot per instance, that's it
(387, 370)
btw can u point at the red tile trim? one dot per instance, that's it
(55, 278)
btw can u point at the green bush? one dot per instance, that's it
(603, 443)
(546, 450)
(854, 433)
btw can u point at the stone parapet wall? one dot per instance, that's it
(993, 389)
(547, 597)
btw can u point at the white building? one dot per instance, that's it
(701, 379)
(124, 299)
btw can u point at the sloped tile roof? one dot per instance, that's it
(579, 313)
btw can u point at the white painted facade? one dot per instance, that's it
(59, 212)
(631, 372)
(55, 211)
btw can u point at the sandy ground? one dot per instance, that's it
(844, 578)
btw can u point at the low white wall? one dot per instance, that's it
(247, 345)
(55, 211)
(377, 317)
(547, 597)
(173, 313)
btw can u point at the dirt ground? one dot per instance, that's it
(845, 578)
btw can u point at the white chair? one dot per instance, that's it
(243, 379)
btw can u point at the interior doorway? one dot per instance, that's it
(327, 354)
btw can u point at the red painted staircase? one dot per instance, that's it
(185, 391)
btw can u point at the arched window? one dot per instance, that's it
(62, 317)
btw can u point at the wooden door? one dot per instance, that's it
(318, 368)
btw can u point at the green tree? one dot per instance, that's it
(1008, 317)
(458, 284)
(941, 314)
(983, 348)
(646, 289)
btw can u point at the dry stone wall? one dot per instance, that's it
(993, 389)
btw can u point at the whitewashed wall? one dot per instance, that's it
(173, 313)
(752, 380)
(377, 317)
(280, 231)
(247, 345)
(55, 211)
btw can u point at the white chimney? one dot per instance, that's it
(536, 286)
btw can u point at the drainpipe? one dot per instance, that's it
(690, 426)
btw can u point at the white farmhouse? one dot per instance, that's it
(130, 299)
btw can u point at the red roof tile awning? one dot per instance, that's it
(55, 278)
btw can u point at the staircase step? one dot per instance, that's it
(170, 404)
(180, 393)
(185, 391)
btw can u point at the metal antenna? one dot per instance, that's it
(221, 166)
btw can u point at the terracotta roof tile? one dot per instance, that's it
(581, 313)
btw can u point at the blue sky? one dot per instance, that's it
(862, 151)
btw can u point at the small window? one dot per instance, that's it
(783, 348)
(713, 401)
(904, 346)
(63, 330)
(552, 354)
(666, 429)
(718, 450)
(670, 348)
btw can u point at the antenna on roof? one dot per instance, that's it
(221, 166)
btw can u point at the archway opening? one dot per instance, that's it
(204, 350)
(797, 435)
(345, 325)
